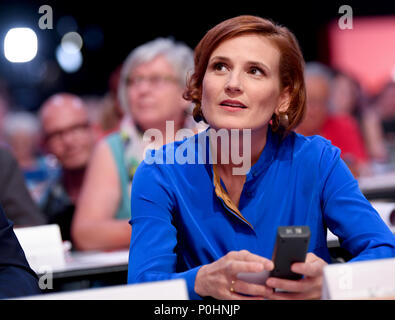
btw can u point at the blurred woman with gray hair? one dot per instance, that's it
(22, 132)
(153, 79)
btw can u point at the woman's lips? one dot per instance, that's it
(232, 105)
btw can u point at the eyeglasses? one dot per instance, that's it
(155, 80)
(73, 130)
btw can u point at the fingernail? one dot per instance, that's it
(269, 265)
(271, 282)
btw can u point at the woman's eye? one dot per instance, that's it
(256, 71)
(219, 67)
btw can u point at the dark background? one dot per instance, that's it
(122, 25)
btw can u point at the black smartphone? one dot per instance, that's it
(291, 246)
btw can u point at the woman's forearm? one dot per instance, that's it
(102, 235)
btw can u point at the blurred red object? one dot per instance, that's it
(366, 51)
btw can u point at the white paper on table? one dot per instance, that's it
(158, 290)
(373, 279)
(42, 246)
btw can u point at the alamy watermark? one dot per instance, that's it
(346, 20)
(227, 146)
(46, 20)
(345, 277)
(45, 280)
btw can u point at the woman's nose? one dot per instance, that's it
(234, 83)
(144, 87)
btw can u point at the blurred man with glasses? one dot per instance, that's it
(69, 136)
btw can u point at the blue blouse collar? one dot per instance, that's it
(267, 155)
(265, 159)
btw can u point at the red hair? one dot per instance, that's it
(291, 64)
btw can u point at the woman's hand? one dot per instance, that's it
(309, 287)
(219, 279)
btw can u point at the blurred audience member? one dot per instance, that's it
(69, 136)
(15, 199)
(103, 114)
(110, 116)
(348, 98)
(22, 133)
(382, 117)
(115, 111)
(4, 106)
(150, 90)
(341, 129)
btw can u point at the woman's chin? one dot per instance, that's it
(221, 124)
(229, 126)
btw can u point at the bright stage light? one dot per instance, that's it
(69, 60)
(71, 42)
(20, 45)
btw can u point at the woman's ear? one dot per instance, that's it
(284, 102)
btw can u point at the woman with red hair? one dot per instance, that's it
(204, 223)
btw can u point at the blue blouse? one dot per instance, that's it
(179, 221)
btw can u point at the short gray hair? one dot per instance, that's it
(318, 69)
(178, 54)
(21, 121)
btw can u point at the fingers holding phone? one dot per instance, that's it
(219, 279)
(297, 274)
(292, 273)
(308, 287)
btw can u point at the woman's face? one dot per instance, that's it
(344, 95)
(241, 87)
(155, 94)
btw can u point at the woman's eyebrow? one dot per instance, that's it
(259, 64)
(251, 63)
(221, 58)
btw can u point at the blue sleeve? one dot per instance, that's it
(153, 244)
(349, 215)
(17, 279)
